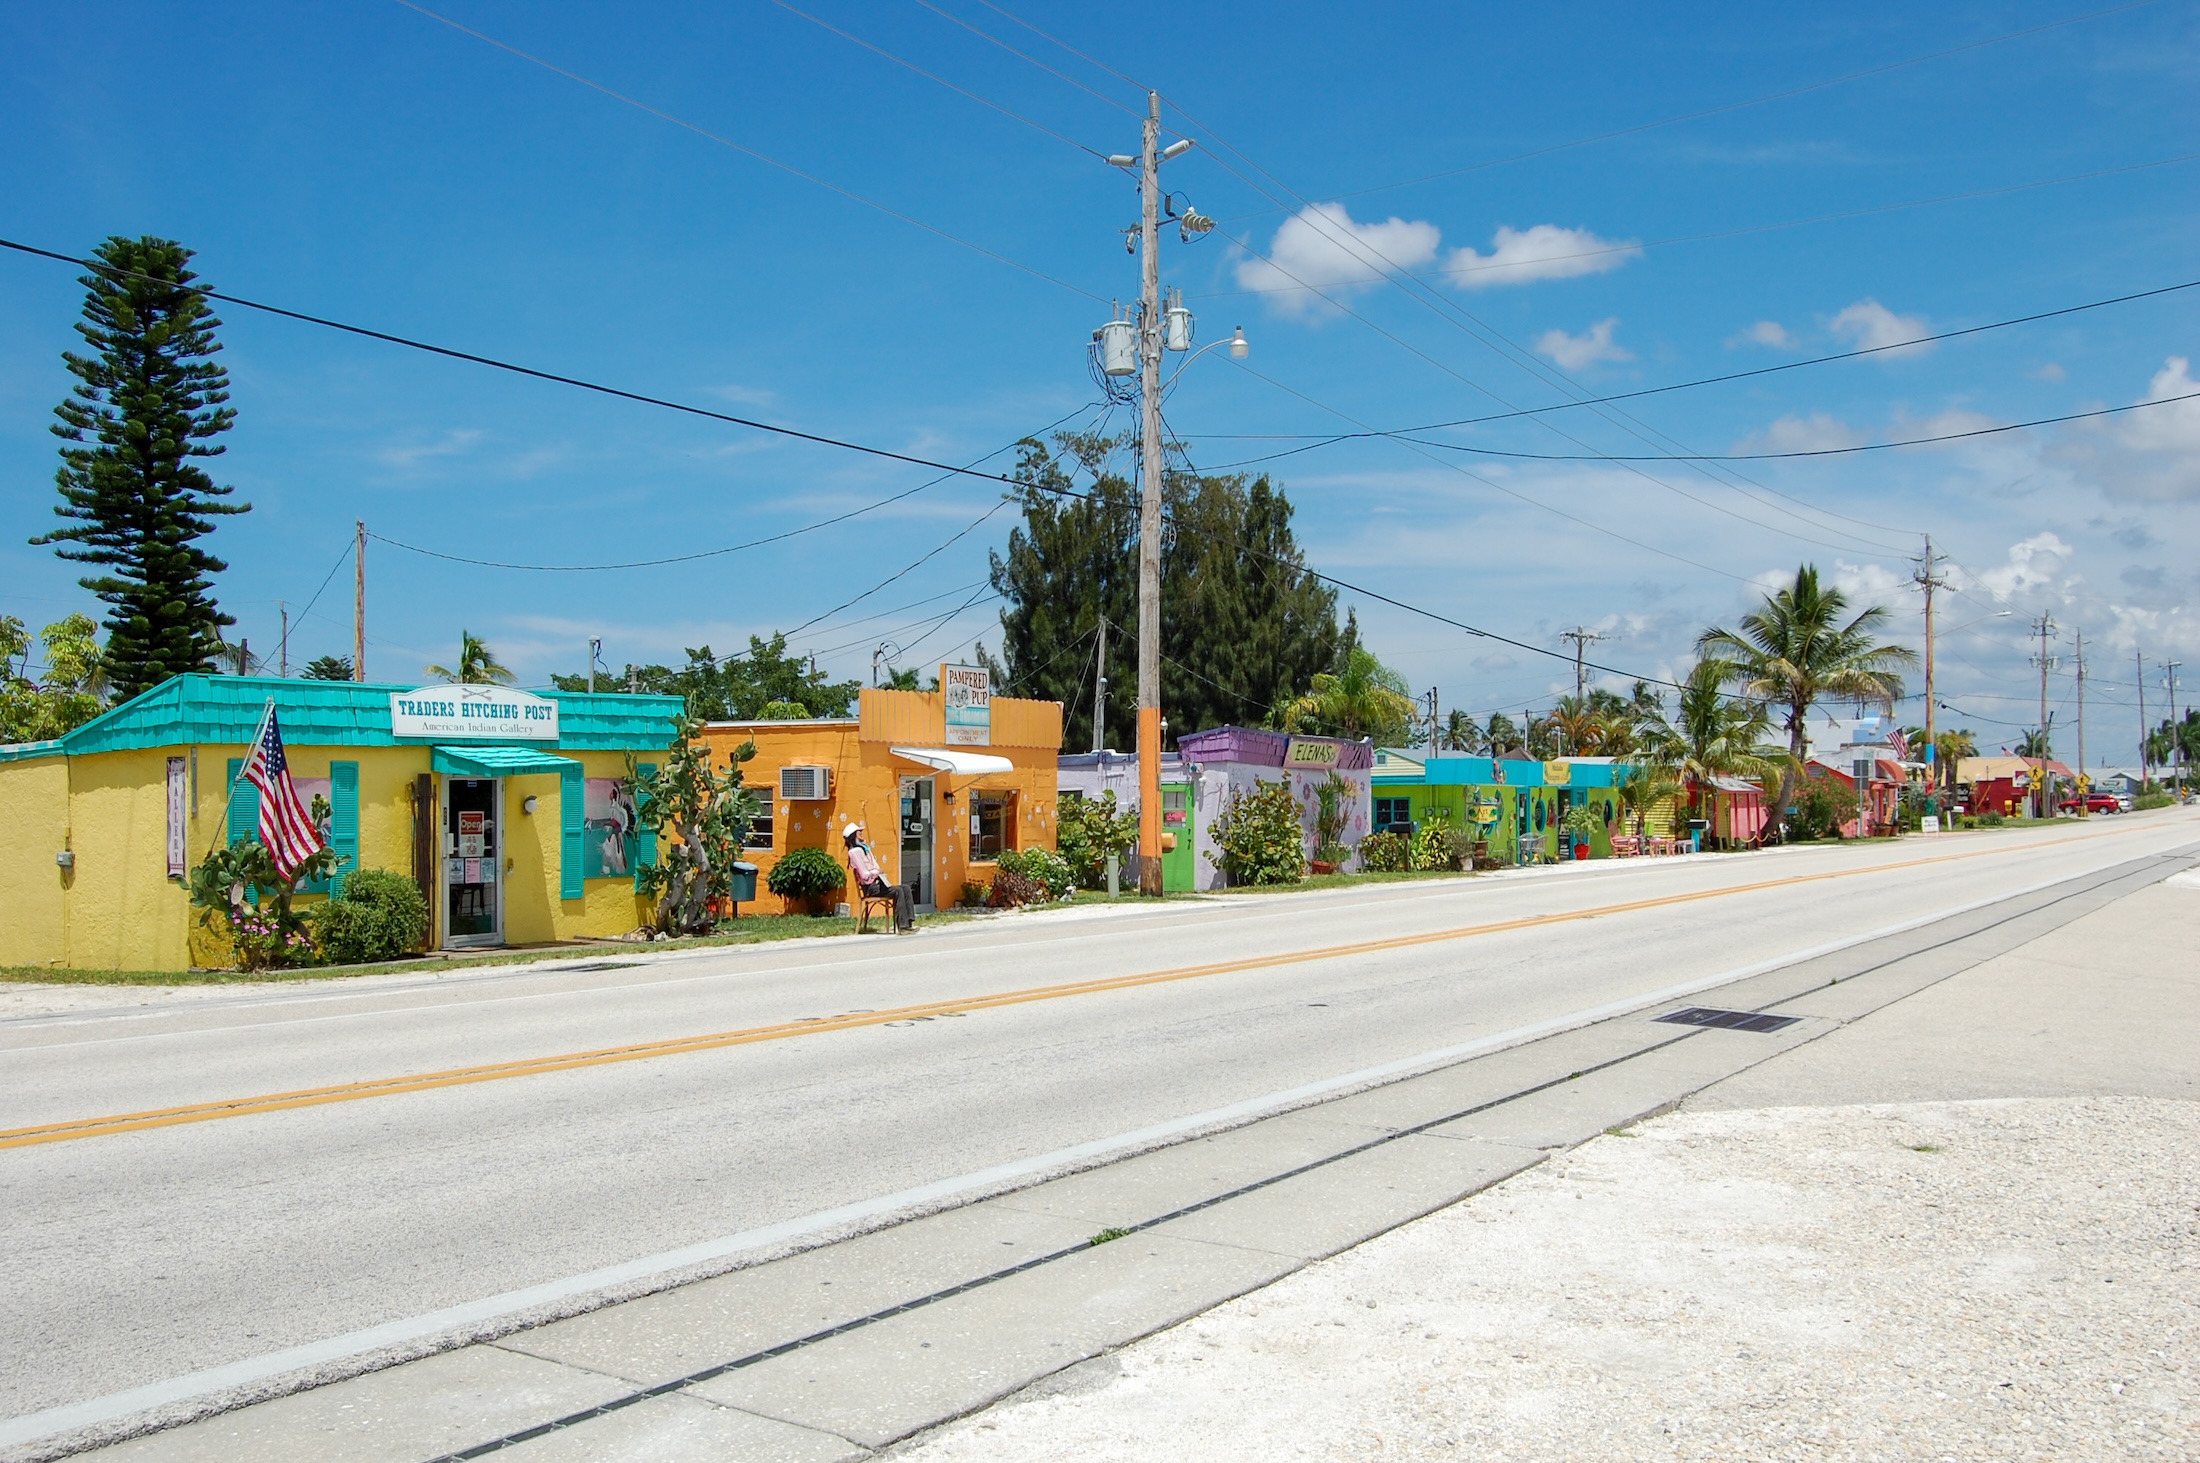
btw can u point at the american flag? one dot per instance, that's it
(286, 826)
(1900, 743)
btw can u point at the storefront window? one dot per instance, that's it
(760, 830)
(1394, 815)
(992, 824)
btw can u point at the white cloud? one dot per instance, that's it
(451, 444)
(2174, 428)
(2032, 564)
(2153, 453)
(1814, 433)
(1575, 351)
(1765, 332)
(1869, 325)
(2052, 371)
(1545, 251)
(1867, 584)
(1323, 248)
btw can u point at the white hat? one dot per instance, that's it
(851, 830)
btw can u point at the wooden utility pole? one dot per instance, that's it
(2085, 786)
(1929, 581)
(283, 655)
(1149, 505)
(1583, 638)
(1100, 691)
(2139, 661)
(359, 600)
(2044, 627)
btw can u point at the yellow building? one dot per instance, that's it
(943, 780)
(511, 810)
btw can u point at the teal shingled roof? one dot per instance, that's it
(226, 709)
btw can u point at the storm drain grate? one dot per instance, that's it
(1729, 1020)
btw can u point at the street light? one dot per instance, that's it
(1239, 346)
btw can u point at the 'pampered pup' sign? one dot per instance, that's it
(473, 713)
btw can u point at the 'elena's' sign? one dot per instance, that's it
(1302, 753)
(476, 713)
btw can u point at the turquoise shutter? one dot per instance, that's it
(343, 821)
(571, 809)
(244, 806)
(645, 840)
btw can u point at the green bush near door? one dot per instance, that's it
(379, 916)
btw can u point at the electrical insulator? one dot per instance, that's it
(1118, 348)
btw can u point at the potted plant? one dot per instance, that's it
(1582, 822)
(1331, 810)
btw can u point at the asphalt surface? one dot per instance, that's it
(140, 1256)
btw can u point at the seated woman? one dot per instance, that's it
(872, 880)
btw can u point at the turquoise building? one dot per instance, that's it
(1519, 805)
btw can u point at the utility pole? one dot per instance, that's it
(2044, 627)
(1583, 638)
(595, 653)
(1433, 730)
(2139, 662)
(2176, 733)
(1100, 691)
(283, 655)
(2085, 785)
(359, 600)
(1149, 507)
(1929, 581)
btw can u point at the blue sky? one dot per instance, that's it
(367, 162)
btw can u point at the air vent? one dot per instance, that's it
(805, 784)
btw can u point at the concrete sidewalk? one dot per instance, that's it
(1962, 1226)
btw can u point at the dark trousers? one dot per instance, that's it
(905, 916)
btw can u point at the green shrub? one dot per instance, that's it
(1989, 819)
(1259, 837)
(2148, 801)
(1386, 853)
(379, 916)
(1087, 830)
(1820, 810)
(1042, 865)
(1436, 845)
(806, 876)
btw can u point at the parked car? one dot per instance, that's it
(2095, 802)
(2123, 802)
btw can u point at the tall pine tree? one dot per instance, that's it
(148, 403)
(1243, 626)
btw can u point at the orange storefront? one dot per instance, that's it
(941, 794)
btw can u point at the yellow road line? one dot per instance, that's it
(63, 1132)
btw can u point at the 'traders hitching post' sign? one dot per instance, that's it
(473, 713)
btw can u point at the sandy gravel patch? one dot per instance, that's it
(1980, 1280)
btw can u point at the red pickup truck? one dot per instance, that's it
(2095, 802)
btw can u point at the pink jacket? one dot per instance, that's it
(863, 866)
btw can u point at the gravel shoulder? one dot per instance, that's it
(2007, 1278)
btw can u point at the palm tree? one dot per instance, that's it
(1579, 725)
(1711, 734)
(1949, 750)
(477, 664)
(1363, 698)
(2032, 744)
(1800, 647)
(1501, 736)
(1460, 733)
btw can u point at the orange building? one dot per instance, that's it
(944, 781)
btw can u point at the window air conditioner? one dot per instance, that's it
(805, 784)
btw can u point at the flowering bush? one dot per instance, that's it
(1010, 889)
(1043, 866)
(1260, 837)
(239, 891)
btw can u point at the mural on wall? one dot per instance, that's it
(607, 828)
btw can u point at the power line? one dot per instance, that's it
(943, 81)
(745, 149)
(1022, 56)
(2106, 411)
(1872, 350)
(1758, 101)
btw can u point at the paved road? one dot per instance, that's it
(140, 1256)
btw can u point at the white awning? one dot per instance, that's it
(948, 759)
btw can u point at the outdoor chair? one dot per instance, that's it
(883, 903)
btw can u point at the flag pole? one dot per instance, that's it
(259, 732)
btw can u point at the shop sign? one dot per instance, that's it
(966, 691)
(1311, 754)
(477, 713)
(1558, 774)
(178, 838)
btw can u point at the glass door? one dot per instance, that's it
(916, 842)
(473, 861)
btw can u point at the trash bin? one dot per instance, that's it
(740, 885)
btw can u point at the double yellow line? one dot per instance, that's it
(205, 1112)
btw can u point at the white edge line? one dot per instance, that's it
(33, 1426)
